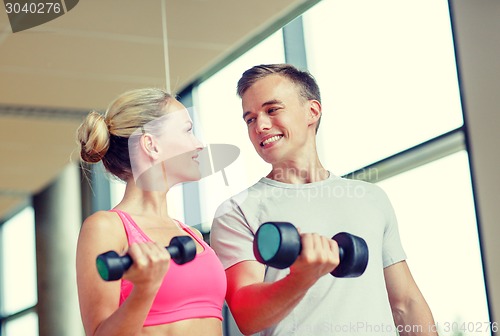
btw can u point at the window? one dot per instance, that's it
(438, 229)
(18, 269)
(388, 81)
(23, 325)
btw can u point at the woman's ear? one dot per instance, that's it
(149, 146)
(314, 111)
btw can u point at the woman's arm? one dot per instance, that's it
(99, 299)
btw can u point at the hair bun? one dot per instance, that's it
(93, 136)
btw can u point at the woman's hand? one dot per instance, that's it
(150, 264)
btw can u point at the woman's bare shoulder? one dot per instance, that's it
(103, 225)
(102, 218)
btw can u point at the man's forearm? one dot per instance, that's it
(415, 319)
(260, 306)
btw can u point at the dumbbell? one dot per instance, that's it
(111, 266)
(277, 244)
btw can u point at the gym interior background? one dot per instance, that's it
(411, 97)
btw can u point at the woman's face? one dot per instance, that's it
(178, 147)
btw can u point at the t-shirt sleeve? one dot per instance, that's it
(392, 249)
(231, 237)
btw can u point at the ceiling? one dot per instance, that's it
(51, 75)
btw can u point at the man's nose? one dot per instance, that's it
(263, 122)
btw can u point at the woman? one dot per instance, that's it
(146, 140)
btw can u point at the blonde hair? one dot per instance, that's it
(106, 137)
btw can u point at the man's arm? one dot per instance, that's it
(257, 305)
(411, 313)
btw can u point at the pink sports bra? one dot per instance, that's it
(192, 290)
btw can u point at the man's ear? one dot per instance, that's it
(314, 111)
(149, 146)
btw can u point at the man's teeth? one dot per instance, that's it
(271, 139)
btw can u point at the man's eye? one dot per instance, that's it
(272, 109)
(249, 120)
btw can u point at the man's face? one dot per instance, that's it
(278, 119)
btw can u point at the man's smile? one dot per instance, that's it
(270, 139)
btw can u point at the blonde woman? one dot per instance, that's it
(145, 139)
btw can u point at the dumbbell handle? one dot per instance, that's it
(126, 260)
(111, 265)
(341, 249)
(343, 264)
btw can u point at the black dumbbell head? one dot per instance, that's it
(277, 244)
(353, 253)
(182, 249)
(111, 265)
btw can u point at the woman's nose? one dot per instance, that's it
(198, 144)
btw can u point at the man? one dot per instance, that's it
(282, 109)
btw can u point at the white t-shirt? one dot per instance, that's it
(333, 306)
